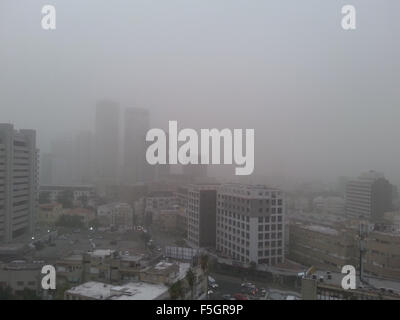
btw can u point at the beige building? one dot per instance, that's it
(100, 265)
(156, 282)
(382, 255)
(171, 220)
(323, 247)
(115, 215)
(20, 275)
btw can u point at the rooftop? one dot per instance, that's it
(128, 291)
(322, 229)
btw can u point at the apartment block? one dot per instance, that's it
(18, 182)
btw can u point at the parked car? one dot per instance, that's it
(239, 296)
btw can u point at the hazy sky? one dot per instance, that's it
(323, 101)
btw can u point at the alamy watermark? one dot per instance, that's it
(189, 151)
(348, 21)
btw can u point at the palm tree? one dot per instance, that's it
(204, 267)
(176, 290)
(190, 278)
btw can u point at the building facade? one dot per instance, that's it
(250, 224)
(201, 215)
(368, 197)
(18, 182)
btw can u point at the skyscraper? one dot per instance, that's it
(46, 169)
(369, 196)
(18, 182)
(136, 125)
(107, 142)
(83, 160)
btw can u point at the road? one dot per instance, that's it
(231, 285)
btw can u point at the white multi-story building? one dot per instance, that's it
(250, 224)
(160, 200)
(77, 191)
(115, 214)
(18, 182)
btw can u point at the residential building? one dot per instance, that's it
(115, 214)
(18, 182)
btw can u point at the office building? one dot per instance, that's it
(250, 224)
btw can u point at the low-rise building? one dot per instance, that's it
(321, 246)
(115, 214)
(94, 290)
(165, 280)
(49, 213)
(382, 254)
(172, 220)
(322, 285)
(78, 191)
(19, 275)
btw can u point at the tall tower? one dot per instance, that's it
(136, 125)
(18, 182)
(107, 142)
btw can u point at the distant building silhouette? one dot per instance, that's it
(136, 125)
(369, 196)
(106, 142)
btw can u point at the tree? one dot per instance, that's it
(204, 267)
(190, 278)
(70, 221)
(6, 293)
(204, 262)
(176, 290)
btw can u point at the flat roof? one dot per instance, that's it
(128, 291)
